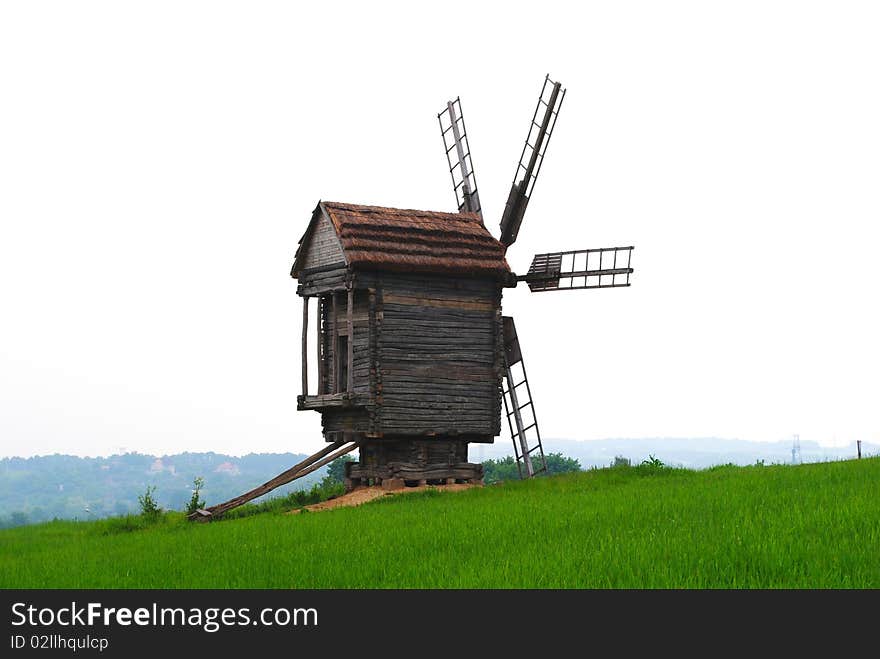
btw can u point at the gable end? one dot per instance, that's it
(320, 246)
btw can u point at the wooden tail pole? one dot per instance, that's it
(307, 466)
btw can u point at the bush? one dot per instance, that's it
(336, 471)
(652, 466)
(195, 503)
(727, 466)
(147, 500)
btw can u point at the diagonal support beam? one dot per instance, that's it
(307, 466)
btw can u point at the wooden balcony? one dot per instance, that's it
(327, 401)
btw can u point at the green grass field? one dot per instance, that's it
(809, 526)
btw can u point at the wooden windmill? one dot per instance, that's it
(414, 359)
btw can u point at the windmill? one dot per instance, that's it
(607, 267)
(414, 358)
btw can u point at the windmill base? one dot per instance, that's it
(412, 462)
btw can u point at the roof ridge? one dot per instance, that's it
(370, 208)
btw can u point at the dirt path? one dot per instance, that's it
(362, 495)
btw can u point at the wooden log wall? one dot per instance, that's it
(323, 280)
(441, 450)
(427, 352)
(438, 355)
(438, 460)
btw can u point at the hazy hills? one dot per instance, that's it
(697, 453)
(69, 487)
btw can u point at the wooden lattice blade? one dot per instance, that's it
(531, 158)
(606, 267)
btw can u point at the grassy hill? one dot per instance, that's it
(806, 526)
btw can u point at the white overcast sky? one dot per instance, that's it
(160, 160)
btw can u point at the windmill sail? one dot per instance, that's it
(607, 267)
(540, 131)
(458, 156)
(518, 406)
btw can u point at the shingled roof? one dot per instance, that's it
(378, 238)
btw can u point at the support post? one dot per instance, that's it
(350, 321)
(305, 345)
(319, 345)
(859, 447)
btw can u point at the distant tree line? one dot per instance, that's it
(505, 469)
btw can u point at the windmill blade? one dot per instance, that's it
(458, 156)
(607, 267)
(519, 408)
(540, 130)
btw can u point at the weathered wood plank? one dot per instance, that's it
(391, 280)
(350, 322)
(418, 354)
(327, 401)
(445, 303)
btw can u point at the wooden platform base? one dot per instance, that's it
(396, 464)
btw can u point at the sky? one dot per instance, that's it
(159, 162)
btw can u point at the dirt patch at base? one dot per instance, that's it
(362, 495)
